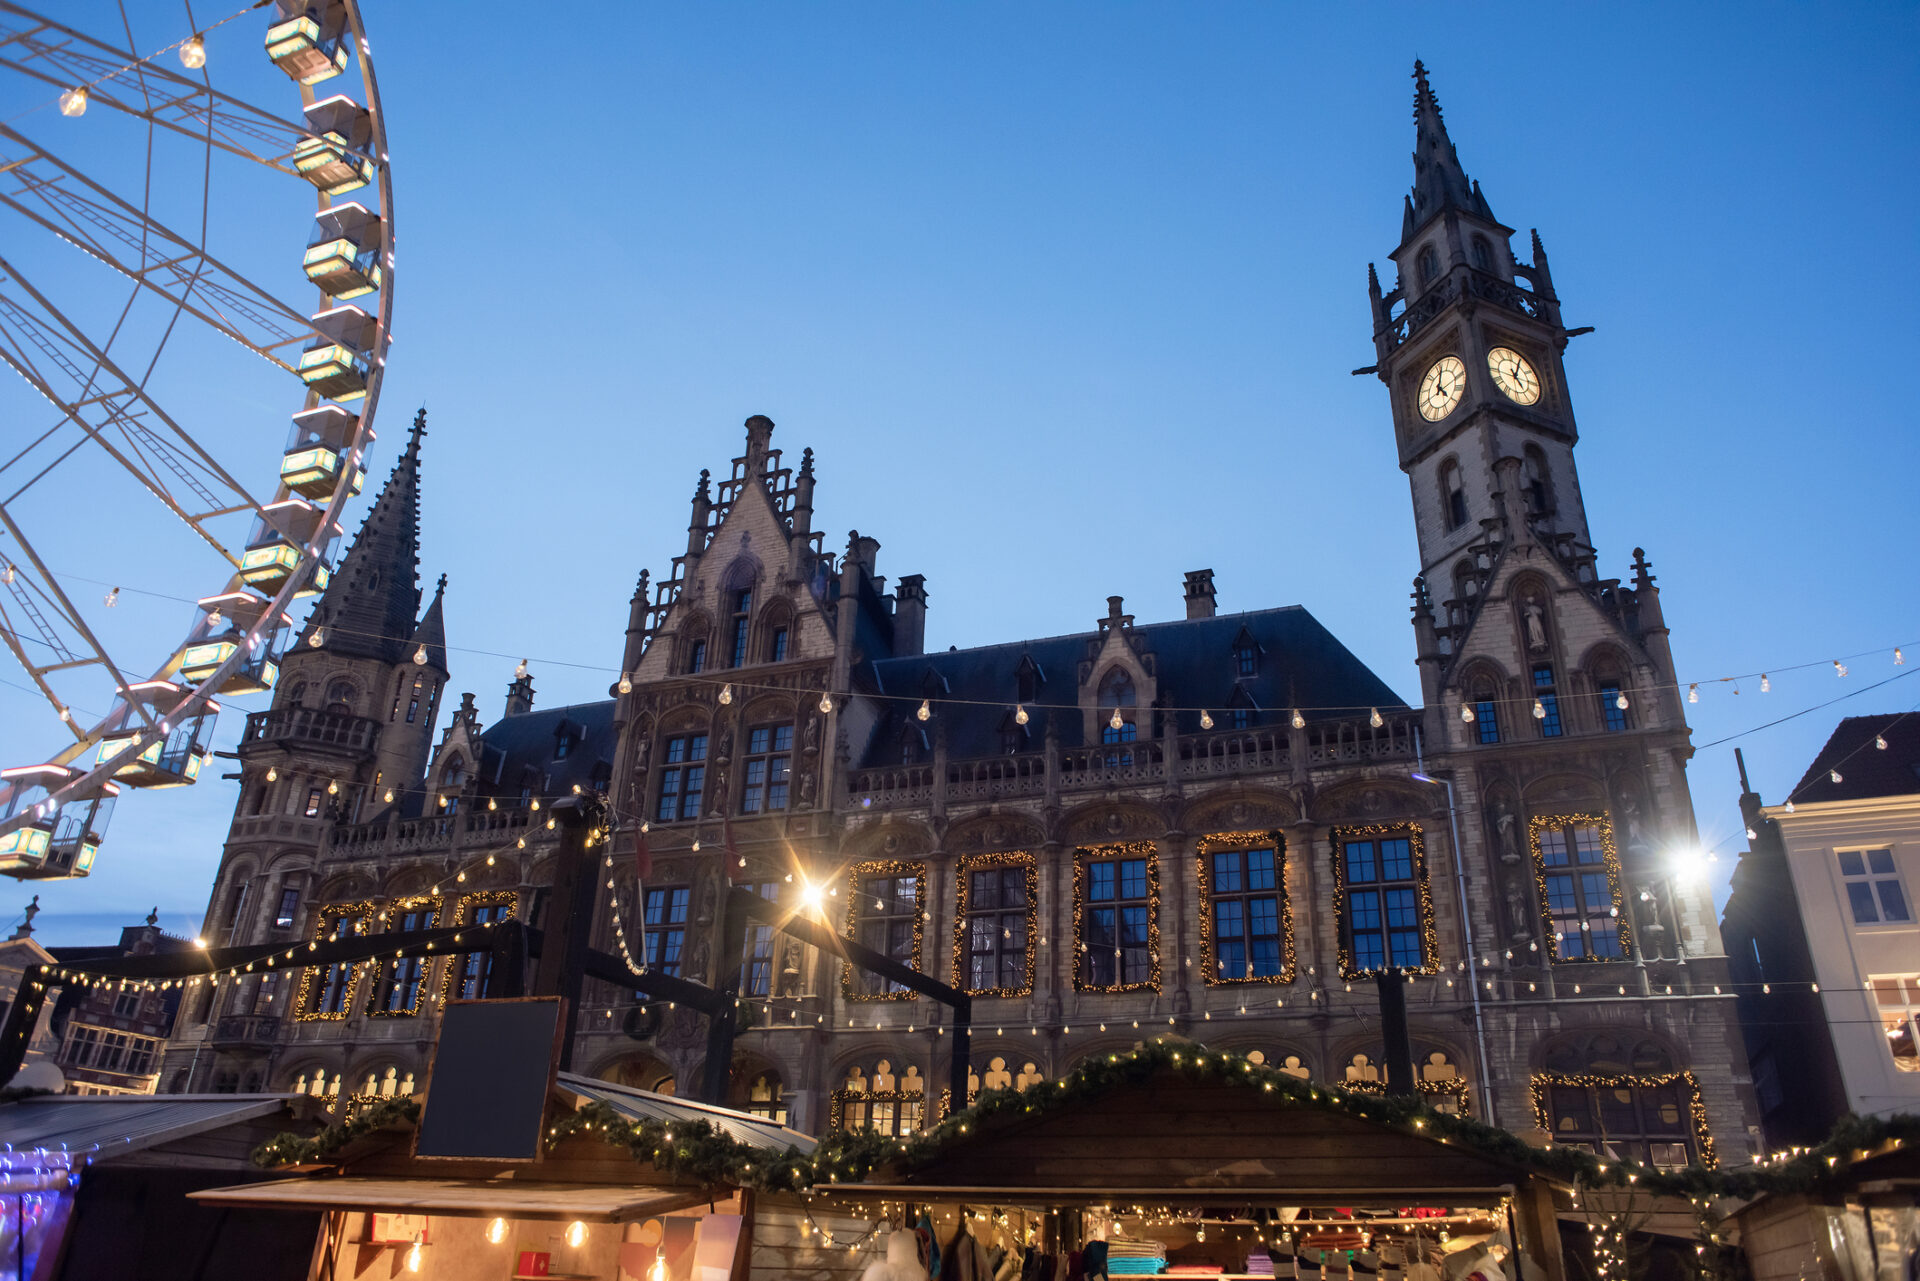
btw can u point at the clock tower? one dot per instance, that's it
(1469, 344)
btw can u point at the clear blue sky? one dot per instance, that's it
(1064, 297)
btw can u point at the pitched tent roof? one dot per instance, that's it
(646, 1105)
(1160, 1134)
(1865, 770)
(108, 1125)
(1300, 664)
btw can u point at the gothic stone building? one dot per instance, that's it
(1215, 827)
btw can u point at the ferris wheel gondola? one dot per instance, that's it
(140, 164)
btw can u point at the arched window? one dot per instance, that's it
(298, 692)
(1537, 481)
(1615, 1095)
(697, 657)
(340, 698)
(742, 623)
(1482, 253)
(894, 1104)
(1116, 694)
(1485, 701)
(1429, 265)
(1453, 496)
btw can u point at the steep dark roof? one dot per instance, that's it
(432, 631)
(1301, 664)
(1438, 180)
(1865, 770)
(518, 748)
(369, 606)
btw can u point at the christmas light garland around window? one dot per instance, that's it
(1541, 1082)
(1093, 853)
(962, 970)
(884, 868)
(463, 910)
(1219, 842)
(391, 914)
(326, 925)
(1416, 840)
(1609, 855)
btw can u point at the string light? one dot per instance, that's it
(1839, 668)
(273, 773)
(1880, 742)
(74, 101)
(1019, 714)
(496, 1231)
(626, 684)
(1621, 701)
(1466, 712)
(826, 703)
(726, 694)
(1834, 774)
(193, 56)
(576, 1234)
(112, 598)
(1899, 659)
(1539, 710)
(1114, 722)
(520, 672)
(1206, 720)
(925, 711)
(1373, 718)
(1766, 683)
(1693, 693)
(318, 638)
(1299, 721)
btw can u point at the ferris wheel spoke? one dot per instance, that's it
(56, 596)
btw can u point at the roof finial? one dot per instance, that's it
(1422, 91)
(440, 587)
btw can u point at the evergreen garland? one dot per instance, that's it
(700, 1151)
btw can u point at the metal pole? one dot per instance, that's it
(1466, 927)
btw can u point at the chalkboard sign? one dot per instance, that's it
(492, 1069)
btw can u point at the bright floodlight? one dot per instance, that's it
(811, 896)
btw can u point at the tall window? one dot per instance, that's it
(742, 623)
(1612, 716)
(1246, 656)
(326, 992)
(1453, 496)
(769, 762)
(886, 912)
(477, 967)
(1116, 694)
(1482, 253)
(1873, 887)
(683, 776)
(764, 1098)
(665, 914)
(1429, 265)
(1621, 1099)
(1117, 926)
(399, 990)
(1536, 481)
(1898, 999)
(996, 909)
(777, 648)
(1548, 702)
(1243, 938)
(289, 904)
(1486, 713)
(1379, 876)
(697, 657)
(313, 803)
(757, 980)
(1580, 876)
(413, 699)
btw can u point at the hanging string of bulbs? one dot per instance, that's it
(192, 51)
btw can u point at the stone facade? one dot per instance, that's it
(1112, 770)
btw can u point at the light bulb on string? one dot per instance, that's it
(1466, 712)
(1899, 659)
(1374, 718)
(1766, 683)
(1019, 714)
(1114, 721)
(1693, 692)
(1880, 742)
(1206, 720)
(726, 694)
(6, 575)
(1299, 721)
(333, 787)
(74, 101)
(193, 52)
(1539, 710)
(626, 685)
(1834, 774)
(273, 773)
(318, 638)
(496, 1231)
(1839, 668)
(826, 703)
(420, 656)
(1789, 807)
(520, 672)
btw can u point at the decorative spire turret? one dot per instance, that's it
(1438, 180)
(369, 606)
(431, 634)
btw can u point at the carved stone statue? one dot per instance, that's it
(1506, 829)
(1633, 821)
(810, 738)
(1534, 614)
(1519, 920)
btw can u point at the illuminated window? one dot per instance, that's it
(891, 1105)
(1873, 887)
(1898, 999)
(886, 912)
(769, 763)
(765, 1098)
(477, 967)
(399, 988)
(1621, 1100)
(326, 990)
(1383, 909)
(1582, 908)
(1244, 889)
(666, 921)
(313, 802)
(758, 978)
(289, 904)
(683, 776)
(997, 910)
(413, 700)
(1116, 920)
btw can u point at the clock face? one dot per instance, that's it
(1441, 388)
(1513, 375)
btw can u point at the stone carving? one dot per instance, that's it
(1239, 813)
(1633, 821)
(810, 737)
(1514, 904)
(1505, 826)
(1534, 614)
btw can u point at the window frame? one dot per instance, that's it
(287, 915)
(474, 968)
(1229, 842)
(416, 969)
(742, 618)
(1905, 1011)
(843, 1100)
(1614, 719)
(654, 934)
(679, 768)
(884, 869)
(327, 922)
(767, 759)
(1340, 837)
(760, 949)
(1609, 859)
(1083, 859)
(963, 914)
(1694, 1130)
(1547, 694)
(1872, 882)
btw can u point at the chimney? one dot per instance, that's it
(520, 693)
(910, 615)
(863, 551)
(1199, 593)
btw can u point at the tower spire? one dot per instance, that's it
(369, 606)
(1439, 182)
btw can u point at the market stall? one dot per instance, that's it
(1194, 1165)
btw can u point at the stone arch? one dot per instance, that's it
(1607, 1049)
(1238, 809)
(991, 833)
(1564, 791)
(638, 1070)
(777, 613)
(695, 629)
(1103, 822)
(898, 839)
(1371, 799)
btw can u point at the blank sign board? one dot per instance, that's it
(492, 1068)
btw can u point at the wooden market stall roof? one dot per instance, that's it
(463, 1198)
(1168, 1137)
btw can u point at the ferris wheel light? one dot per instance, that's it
(193, 53)
(74, 101)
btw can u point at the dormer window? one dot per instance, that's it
(1117, 696)
(1030, 678)
(1246, 655)
(562, 744)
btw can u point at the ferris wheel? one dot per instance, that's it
(153, 160)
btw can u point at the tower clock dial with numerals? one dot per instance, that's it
(1441, 388)
(1513, 375)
